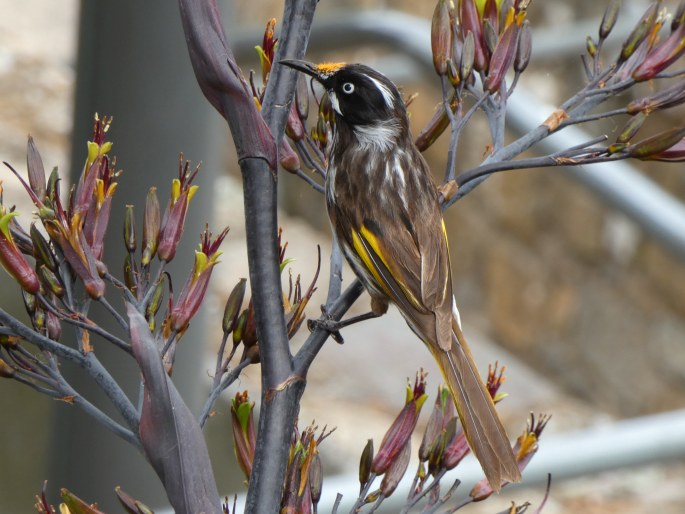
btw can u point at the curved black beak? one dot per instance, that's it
(305, 67)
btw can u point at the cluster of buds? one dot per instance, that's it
(72, 504)
(442, 448)
(77, 231)
(648, 50)
(392, 459)
(488, 37)
(65, 247)
(287, 157)
(651, 47)
(304, 474)
(241, 323)
(468, 38)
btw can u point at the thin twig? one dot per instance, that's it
(591, 117)
(118, 317)
(121, 286)
(227, 380)
(309, 159)
(86, 325)
(315, 185)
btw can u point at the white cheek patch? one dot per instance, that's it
(387, 94)
(334, 102)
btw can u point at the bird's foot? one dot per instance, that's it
(327, 323)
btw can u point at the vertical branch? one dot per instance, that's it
(280, 394)
(256, 138)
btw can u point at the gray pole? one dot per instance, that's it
(133, 64)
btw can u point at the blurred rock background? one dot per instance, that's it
(590, 311)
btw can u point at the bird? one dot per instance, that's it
(385, 213)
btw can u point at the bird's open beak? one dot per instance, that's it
(305, 67)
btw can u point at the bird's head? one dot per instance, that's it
(360, 95)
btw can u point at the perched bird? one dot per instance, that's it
(385, 212)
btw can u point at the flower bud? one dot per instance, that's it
(433, 129)
(456, 448)
(250, 330)
(130, 275)
(287, 158)
(436, 422)
(151, 222)
(130, 229)
(244, 438)
(640, 32)
(609, 19)
(467, 57)
(38, 319)
(590, 46)
(436, 453)
(662, 56)
(30, 303)
(315, 478)
(453, 74)
(41, 249)
(401, 429)
(490, 36)
(656, 144)
(194, 290)
(54, 326)
(491, 14)
(50, 281)
(154, 304)
(36, 170)
(524, 48)
(631, 127)
(470, 22)
(396, 470)
(441, 37)
(502, 58)
(365, 463)
(12, 259)
(232, 308)
(239, 327)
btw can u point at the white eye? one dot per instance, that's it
(348, 88)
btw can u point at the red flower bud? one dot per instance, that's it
(396, 471)
(502, 58)
(470, 22)
(441, 37)
(662, 56)
(402, 428)
(244, 438)
(13, 260)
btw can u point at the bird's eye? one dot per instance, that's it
(348, 88)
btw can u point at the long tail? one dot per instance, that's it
(483, 429)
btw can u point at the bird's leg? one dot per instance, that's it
(379, 306)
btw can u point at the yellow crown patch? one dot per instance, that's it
(326, 69)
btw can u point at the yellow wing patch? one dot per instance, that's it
(360, 247)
